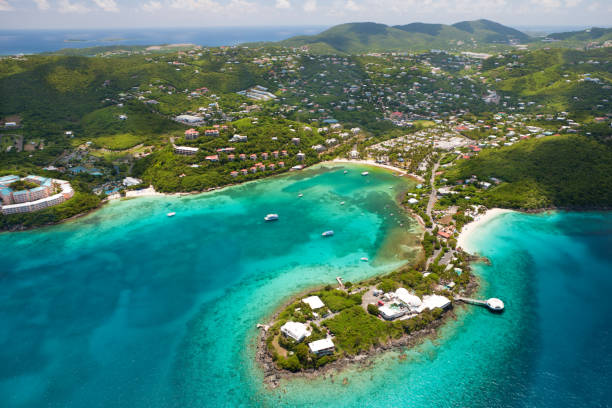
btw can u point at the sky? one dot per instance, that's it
(36, 14)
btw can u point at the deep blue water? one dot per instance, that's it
(35, 41)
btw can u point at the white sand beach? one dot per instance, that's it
(470, 229)
(401, 172)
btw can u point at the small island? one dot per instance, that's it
(331, 327)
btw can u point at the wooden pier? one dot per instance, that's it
(493, 304)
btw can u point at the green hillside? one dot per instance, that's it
(591, 34)
(563, 171)
(491, 32)
(559, 79)
(367, 37)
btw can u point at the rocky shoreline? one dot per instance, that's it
(274, 375)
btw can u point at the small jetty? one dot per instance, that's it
(339, 279)
(265, 327)
(493, 304)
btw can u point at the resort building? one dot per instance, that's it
(322, 347)
(185, 150)
(191, 134)
(49, 192)
(433, 301)
(295, 330)
(413, 302)
(391, 311)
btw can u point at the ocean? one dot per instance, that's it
(36, 41)
(129, 308)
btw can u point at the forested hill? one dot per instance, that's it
(566, 171)
(364, 37)
(591, 34)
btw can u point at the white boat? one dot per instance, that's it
(327, 233)
(345, 171)
(342, 203)
(300, 195)
(271, 217)
(171, 214)
(364, 259)
(365, 173)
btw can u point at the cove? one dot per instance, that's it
(550, 348)
(127, 307)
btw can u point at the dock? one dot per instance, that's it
(493, 304)
(339, 279)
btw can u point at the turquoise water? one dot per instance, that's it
(551, 348)
(128, 308)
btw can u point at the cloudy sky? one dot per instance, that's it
(202, 13)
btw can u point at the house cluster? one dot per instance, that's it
(300, 331)
(402, 304)
(258, 93)
(49, 192)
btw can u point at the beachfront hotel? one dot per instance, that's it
(49, 192)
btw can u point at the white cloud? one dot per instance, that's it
(241, 7)
(283, 4)
(310, 6)
(593, 7)
(352, 6)
(208, 5)
(5, 6)
(42, 4)
(107, 5)
(547, 4)
(65, 6)
(152, 6)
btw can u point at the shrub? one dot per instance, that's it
(373, 309)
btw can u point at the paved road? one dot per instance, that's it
(432, 196)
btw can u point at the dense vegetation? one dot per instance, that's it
(565, 171)
(367, 37)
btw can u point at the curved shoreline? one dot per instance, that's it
(273, 375)
(468, 230)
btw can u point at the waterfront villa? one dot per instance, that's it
(322, 347)
(401, 302)
(314, 302)
(49, 192)
(295, 330)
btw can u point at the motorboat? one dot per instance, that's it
(171, 214)
(271, 217)
(327, 233)
(365, 173)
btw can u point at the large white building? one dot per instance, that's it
(49, 192)
(296, 330)
(314, 302)
(322, 347)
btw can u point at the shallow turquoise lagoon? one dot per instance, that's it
(129, 308)
(551, 348)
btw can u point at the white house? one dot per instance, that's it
(391, 312)
(314, 302)
(296, 330)
(434, 301)
(322, 347)
(412, 301)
